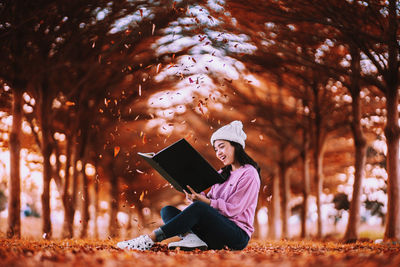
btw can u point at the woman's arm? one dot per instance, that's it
(246, 194)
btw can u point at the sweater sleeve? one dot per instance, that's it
(245, 194)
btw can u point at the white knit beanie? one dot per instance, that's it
(230, 132)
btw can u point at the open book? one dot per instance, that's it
(181, 165)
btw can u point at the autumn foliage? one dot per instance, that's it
(316, 86)
(258, 253)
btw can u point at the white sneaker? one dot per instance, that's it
(189, 242)
(142, 243)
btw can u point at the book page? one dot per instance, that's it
(148, 155)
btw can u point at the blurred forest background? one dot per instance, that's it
(85, 85)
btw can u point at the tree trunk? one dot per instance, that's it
(96, 205)
(392, 131)
(319, 180)
(68, 231)
(47, 170)
(14, 203)
(285, 194)
(306, 179)
(75, 189)
(47, 233)
(114, 201)
(256, 232)
(274, 210)
(351, 234)
(85, 203)
(392, 230)
(71, 199)
(318, 160)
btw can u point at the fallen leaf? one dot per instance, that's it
(116, 150)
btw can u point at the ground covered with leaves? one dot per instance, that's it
(259, 253)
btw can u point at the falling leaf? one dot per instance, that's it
(141, 196)
(190, 80)
(158, 67)
(69, 103)
(152, 30)
(194, 60)
(253, 120)
(139, 171)
(140, 89)
(261, 137)
(116, 150)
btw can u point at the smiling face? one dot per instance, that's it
(224, 151)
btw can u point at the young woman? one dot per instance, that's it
(224, 217)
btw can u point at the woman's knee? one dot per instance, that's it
(199, 205)
(169, 211)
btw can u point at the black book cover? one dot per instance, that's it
(181, 165)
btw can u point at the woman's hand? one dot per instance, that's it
(193, 196)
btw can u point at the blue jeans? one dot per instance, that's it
(207, 223)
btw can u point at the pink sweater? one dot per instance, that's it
(237, 197)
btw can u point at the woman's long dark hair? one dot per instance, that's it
(242, 158)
